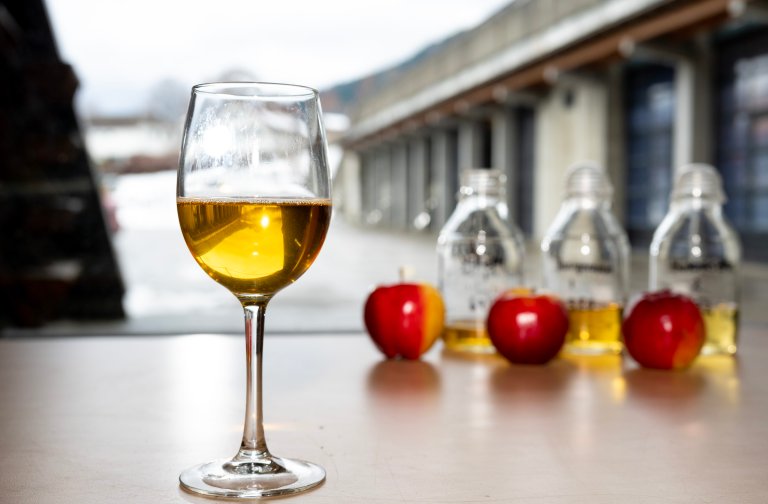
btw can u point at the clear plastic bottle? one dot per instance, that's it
(697, 253)
(585, 261)
(480, 254)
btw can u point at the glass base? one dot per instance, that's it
(248, 480)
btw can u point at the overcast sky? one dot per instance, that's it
(121, 49)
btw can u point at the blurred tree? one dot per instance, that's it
(237, 75)
(168, 100)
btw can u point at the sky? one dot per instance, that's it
(121, 50)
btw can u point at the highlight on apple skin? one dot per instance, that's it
(664, 330)
(404, 319)
(527, 328)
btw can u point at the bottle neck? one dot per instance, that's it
(694, 203)
(581, 202)
(468, 204)
(485, 191)
(483, 198)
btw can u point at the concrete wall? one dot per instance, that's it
(514, 25)
(348, 188)
(578, 115)
(572, 126)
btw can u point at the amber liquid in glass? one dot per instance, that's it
(254, 247)
(721, 323)
(467, 336)
(594, 328)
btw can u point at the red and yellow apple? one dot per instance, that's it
(527, 328)
(404, 319)
(664, 331)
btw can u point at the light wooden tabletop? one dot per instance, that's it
(95, 420)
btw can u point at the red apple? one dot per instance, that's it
(664, 330)
(404, 319)
(526, 328)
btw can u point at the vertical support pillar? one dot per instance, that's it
(693, 98)
(470, 145)
(399, 184)
(443, 177)
(367, 185)
(383, 187)
(349, 186)
(616, 163)
(504, 152)
(419, 214)
(684, 113)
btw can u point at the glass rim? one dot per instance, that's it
(255, 89)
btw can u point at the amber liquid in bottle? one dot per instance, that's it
(594, 328)
(721, 323)
(467, 336)
(254, 247)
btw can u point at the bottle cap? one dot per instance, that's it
(699, 181)
(482, 181)
(587, 179)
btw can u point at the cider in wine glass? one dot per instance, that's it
(253, 199)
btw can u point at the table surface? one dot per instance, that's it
(87, 420)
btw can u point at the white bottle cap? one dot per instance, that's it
(587, 179)
(483, 181)
(699, 181)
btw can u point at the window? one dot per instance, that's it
(743, 135)
(650, 108)
(525, 161)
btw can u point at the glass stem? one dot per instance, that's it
(254, 446)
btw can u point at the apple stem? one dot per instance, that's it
(406, 273)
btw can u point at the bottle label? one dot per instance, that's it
(598, 284)
(586, 268)
(469, 290)
(703, 264)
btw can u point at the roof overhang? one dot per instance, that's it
(604, 33)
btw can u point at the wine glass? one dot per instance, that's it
(253, 199)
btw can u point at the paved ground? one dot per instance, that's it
(168, 293)
(329, 297)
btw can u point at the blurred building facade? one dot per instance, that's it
(642, 87)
